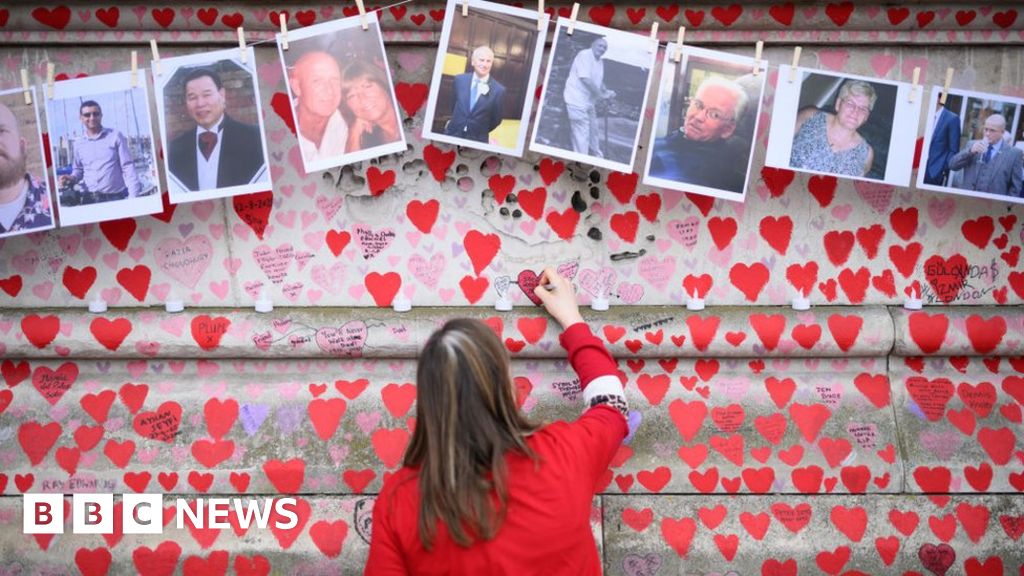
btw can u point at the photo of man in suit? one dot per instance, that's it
(944, 144)
(990, 165)
(478, 100)
(217, 151)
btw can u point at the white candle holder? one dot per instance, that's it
(599, 303)
(801, 303)
(401, 304)
(503, 303)
(913, 301)
(173, 305)
(98, 305)
(694, 302)
(264, 304)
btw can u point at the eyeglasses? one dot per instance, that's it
(91, 114)
(709, 113)
(862, 110)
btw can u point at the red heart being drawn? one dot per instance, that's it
(527, 281)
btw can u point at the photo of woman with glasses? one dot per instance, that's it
(705, 124)
(842, 125)
(827, 142)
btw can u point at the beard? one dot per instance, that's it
(12, 168)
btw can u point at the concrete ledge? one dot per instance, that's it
(959, 331)
(960, 423)
(813, 535)
(637, 331)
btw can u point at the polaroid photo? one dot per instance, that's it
(211, 124)
(341, 92)
(485, 76)
(973, 145)
(705, 123)
(842, 125)
(25, 201)
(101, 142)
(595, 92)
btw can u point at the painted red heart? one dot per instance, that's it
(438, 161)
(287, 476)
(623, 185)
(481, 248)
(501, 186)
(411, 96)
(946, 276)
(550, 170)
(119, 232)
(423, 215)
(378, 180)
(56, 18)
(625, 225)
(722, 231)
(158, 561)
(777, 232)
(809, 418)
(823, 188)
(839, 12)
(727, 15)
(254, 210)
(11, 285)
(383, 287)
(110, 333)
(936, 559)
(389, 445)
(749, 279)
(678, 534)
(928, 331)
(337, 240)
(602, 15)
(985, 334)
(40, 330)
(329, 537)
(207, 330)
(473, 287)
(533, 201)
(160, 424)
(36, 439)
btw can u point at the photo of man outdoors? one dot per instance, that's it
(102, 165)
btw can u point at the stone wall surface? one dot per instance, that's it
(856, 437)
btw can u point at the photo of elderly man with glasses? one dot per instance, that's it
(704, 150)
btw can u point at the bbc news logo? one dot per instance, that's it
(144, 513)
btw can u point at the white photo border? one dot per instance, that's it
(325, 28)
(453, 9)
(115, 209)
(569, 154)
(44, 177)
(176, 191)
(933, 98)
(902, 136)
(669, 67)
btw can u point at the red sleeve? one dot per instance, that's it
(593, 440)
(385, 552)
(587, 353)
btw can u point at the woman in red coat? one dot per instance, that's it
(483, 490)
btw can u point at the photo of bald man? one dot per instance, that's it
(341, 92)
(24, 194)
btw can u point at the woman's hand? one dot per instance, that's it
(560, 300)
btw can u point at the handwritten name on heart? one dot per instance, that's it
(184, 260)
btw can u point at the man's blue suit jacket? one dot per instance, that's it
(945, 143)
(477, 123)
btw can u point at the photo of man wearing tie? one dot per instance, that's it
(991, 164)
(478, 100)
(211, 124)
(217, 151)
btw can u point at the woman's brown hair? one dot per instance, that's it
(466, 421)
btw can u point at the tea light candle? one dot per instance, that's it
(264, 304)
(694, 302)
(98, 305)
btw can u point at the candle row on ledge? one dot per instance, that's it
(263, 304)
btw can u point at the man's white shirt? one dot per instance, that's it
(332, 144)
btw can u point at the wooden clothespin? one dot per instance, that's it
(913, 87)
(50, 69)
(654, 38)
(135, 69)
(362, 15)
(156, 56)
(241, 45)
(757, 56)
(572, 18)
(25, 86)
(945, 86)
(541, 25)
(284, 31)
(796, 62)
(465, 7)
(680, 36)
